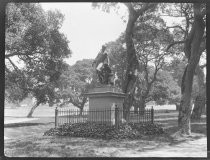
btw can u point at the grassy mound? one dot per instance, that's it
(104, 131)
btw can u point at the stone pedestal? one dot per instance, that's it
(102, 104)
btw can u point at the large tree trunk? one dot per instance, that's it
(200, 99)
(32, 110)
(192, 52)
(142, 106)
(132, 64)
(198, 107)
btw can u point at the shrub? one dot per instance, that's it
(105, 131)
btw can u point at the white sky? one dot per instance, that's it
(86, 28)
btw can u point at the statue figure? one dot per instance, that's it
(101, 65)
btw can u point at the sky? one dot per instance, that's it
(86, 28)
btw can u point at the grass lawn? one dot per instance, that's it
(27, 140)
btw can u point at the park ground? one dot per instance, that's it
(24, 138)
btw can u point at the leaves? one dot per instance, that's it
(74, 82)
(33, 37)
(106, 131)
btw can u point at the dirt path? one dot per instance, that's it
(18, 120)
(184, 149)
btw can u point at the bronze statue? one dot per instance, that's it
(101, 65)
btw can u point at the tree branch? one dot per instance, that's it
(130, 7)
(14, 66)
(7, 70)
(18, 54)
(176, 26)
(170, 15)
(172, 44)
(146, 7)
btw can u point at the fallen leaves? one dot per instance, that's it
(106, 131)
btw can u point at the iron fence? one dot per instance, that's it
(141, 116)
(108, 116)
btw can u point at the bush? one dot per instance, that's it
(105, 131)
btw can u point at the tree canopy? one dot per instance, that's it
(33, 37)
(74, 82)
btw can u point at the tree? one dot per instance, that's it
(166, 88)
(74, 82)
(193, 48)
(150, 40)
(176, 67)
(135, 11)
(33, 37)
(132, 64)
(117, 55)
(200, 97)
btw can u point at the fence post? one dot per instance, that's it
(56, 117)
(152, 115)
(116, 116)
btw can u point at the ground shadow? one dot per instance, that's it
(199, 128)
(13, 125)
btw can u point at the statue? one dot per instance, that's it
(101, 65)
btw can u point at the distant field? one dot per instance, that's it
(41, 111)
(46, 111)
(162, 107)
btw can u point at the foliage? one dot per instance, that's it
(150, 40)
(176, 68)
(166, 89)
(29, 31)
(117, 55)
(194, 45)
(13, 93)
(105, 131)
(74, 82)
(33, 37)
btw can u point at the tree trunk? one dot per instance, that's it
(142, 106)
(185, 107)
(199, 107)
(193, 54)
(81, 107)
(80, 111)
(127, 105)
(32, 110)
(177, 106)
(136, 109)
(200, 99)
(132, 64)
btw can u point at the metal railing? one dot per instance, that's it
(108, 116)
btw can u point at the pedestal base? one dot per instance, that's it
(102, 104)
